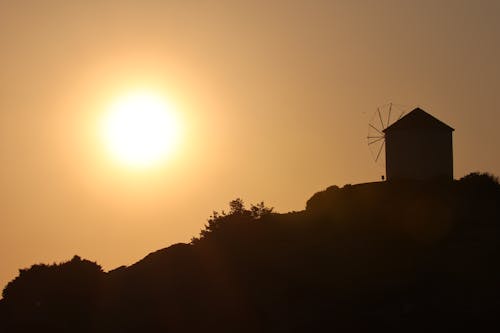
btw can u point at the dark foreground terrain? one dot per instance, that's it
(405, 257)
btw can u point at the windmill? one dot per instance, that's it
(382, 118)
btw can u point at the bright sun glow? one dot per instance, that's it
(140, 129)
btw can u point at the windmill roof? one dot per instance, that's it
(418, 118)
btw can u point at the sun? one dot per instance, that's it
(140, 129)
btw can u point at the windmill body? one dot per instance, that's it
(418, 147)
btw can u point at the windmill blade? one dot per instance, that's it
(380, 117)
(401, 115)
(375, 141)
(379, 151)
(383, 117)
(376, 129)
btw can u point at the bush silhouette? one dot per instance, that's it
(54, 297)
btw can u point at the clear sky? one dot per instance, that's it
(274, 97)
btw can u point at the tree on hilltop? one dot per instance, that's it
(237, 214)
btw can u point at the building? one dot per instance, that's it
(418, 147)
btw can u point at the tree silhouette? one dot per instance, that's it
(237, 215)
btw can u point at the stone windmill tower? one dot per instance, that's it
(418, 147)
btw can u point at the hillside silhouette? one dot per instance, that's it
(388, 256)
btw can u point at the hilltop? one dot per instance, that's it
(405, 256)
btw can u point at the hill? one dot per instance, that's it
(407, 256)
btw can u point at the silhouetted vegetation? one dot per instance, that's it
(392, 256)
(237, 216)
(53, 298)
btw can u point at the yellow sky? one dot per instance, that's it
(275, 97)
